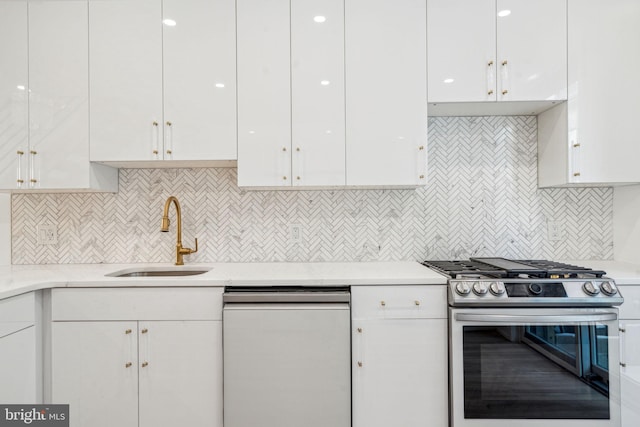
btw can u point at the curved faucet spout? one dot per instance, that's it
(180, 250)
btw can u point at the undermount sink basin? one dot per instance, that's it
(159, 272)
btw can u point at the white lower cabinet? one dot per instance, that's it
(95, 367)
(18, 351)
(399, 351)
(138, 372)
(629, 355)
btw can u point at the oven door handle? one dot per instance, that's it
(510, 318)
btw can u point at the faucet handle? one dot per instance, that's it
(186, 251)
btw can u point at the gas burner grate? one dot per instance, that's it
(456, 268)
(562, 270)
(503, 268)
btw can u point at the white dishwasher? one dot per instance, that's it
(287, 357)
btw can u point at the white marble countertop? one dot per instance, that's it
(15, 280)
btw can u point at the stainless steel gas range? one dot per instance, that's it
(532, 343)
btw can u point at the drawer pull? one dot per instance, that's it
(622, 329)
(145, 330)
(359, 364)
(145, 364)
(360, 330)
(417, 302)
(382, 303)
(624, 365)
(128, 331)
(128, 365)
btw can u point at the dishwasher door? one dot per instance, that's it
(287, 364)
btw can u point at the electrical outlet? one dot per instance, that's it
(47, 234)
(554, 231)
(295, 233)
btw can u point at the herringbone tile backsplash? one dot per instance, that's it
(481, 200)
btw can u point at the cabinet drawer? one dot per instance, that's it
(137, 304)
(399, 302)
(17, 313)
(630, 309)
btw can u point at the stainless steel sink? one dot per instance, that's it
(159, 272)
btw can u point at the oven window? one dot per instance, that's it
(536, 372)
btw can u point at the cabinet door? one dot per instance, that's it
(18, 367)
(400, 372)
(630, 371)
(14, 113)
(180, 368)
(317, 97)
(603, 116)
(125, 66)
(386, 112)
(95, 371)
(461, 37)
(264, 93)
(532, 50)
(199, 80)
(58, 94)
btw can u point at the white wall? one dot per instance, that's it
(626, 223)
(5, 229)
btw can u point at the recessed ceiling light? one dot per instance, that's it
(449, 80)
(504, 13)
(220, 85)
(325, 82)
(319, 19)
(169, 22)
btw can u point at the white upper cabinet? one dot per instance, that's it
(593, 138)
(14, 84)
(532, 50)
(331, 93)
(317, 95)
(50, 150)
(461, 38)
(264, 93)
(386, 92)
(290, 93)
(199, 80)
(162, 82)
(125, 40)
(488, 51)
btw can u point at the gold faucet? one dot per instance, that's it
(180, 251)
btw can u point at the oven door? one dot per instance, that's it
(534, 367)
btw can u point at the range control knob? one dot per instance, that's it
(463, 289)
(608, 288)
(480, 288)
(497, 288)
(590, 289)
(535, 288)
